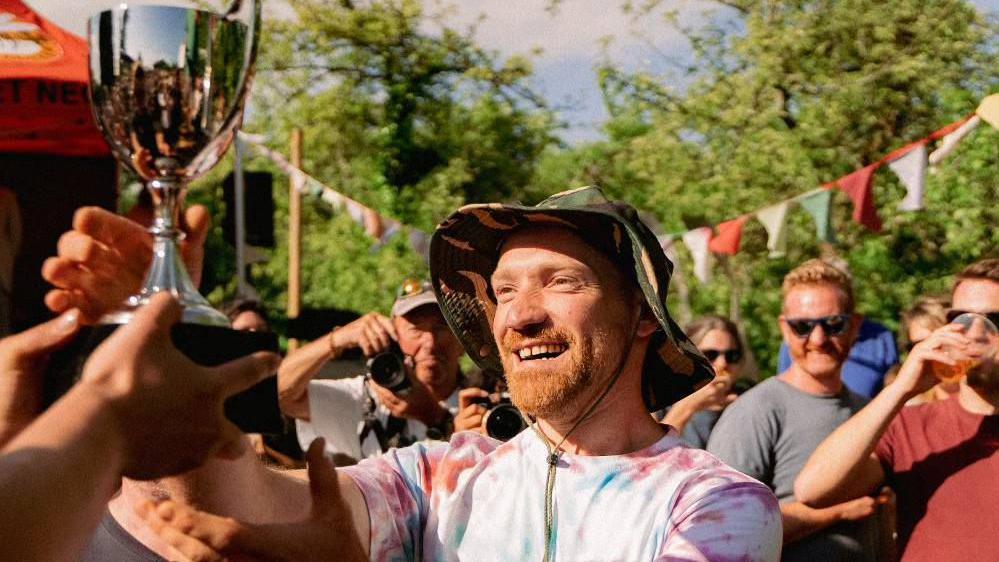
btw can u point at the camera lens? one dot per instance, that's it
(504, 422)
(388, 371)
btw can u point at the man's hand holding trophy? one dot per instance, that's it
(167, 87)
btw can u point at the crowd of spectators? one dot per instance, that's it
(861, 456)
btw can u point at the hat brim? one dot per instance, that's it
(463, 255)
(404, 306)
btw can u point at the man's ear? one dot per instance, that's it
(647, 324)
(784, 330)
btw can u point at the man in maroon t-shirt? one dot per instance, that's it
(941, 458)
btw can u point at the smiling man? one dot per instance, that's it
(942, 457)
(569, 298)
(772, 429)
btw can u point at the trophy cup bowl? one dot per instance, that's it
(167, 86)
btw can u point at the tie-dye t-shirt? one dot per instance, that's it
(475, 498)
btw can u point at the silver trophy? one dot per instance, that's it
(167, 85)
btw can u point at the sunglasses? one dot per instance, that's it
(412, 287)
(992, 316)
(835, 325)
(731, 355)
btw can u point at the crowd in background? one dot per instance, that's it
(872, 454)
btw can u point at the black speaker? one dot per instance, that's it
(258, 207)
(315, 322)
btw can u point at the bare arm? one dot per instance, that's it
(23, 358)
(297, 369)
(337, 528)
(57, 477)
(372, 333)
(58, 474)
(712, 396)
(844, 466)
(801, 521)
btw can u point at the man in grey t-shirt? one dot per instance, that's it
(770, 431)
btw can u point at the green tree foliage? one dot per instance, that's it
(782, 97)
(400, 112)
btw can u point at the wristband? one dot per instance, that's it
(334, 352)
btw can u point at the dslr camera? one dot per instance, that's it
(388, 370)
(503, 420)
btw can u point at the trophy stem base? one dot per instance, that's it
(167, 271)
(199, 313)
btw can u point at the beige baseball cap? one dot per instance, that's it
(412, 294)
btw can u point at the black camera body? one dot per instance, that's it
(503, 420)
(388, 370)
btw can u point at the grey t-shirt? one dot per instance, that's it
(769, 433)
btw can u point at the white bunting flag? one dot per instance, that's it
(989, 110)
(950, 142)
(774, 220)
(697, 241)
(911, 171)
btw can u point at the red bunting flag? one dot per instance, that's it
(729, 236)
(858, 186)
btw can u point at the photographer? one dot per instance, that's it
(486, 413)
(418, 407)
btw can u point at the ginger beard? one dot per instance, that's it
(564, 323)
(563, 389)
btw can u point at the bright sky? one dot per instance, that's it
(571, 39)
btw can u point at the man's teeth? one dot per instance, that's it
(549, 351)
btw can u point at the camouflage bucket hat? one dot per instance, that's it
(465, 248)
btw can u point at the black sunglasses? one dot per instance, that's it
(731, 355)
(835, 325)
(992, 316)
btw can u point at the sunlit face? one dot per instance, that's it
(564, 320)
(819, 354)
(720, 342)
(979, 295)
(249, 321)
(425, 336)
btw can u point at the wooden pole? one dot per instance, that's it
(295, 236)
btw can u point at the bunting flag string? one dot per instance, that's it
(774, 220)
(375, 225)
(910, 168)
(818, 204)
(729, 237)
(697, 241)
(909, 164)
(951, 140)
(859, 187)
(989, 110)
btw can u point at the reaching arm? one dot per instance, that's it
(801, 521)
(120, 419)
(57, 477)
(372, 333)
(23, 358)
(297, 369)
(338, 527)
(845, 466)
(712, 396)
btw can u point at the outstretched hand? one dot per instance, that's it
(23, 358)
(168, 410)
(328, 534)
(103, 260)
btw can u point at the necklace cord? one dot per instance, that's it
(555, 451)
